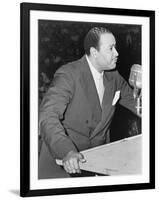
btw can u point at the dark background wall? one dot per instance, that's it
(62, 41)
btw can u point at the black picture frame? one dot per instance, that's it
(25, 189)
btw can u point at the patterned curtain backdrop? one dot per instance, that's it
(62, 41)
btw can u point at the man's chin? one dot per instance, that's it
(110, 67)
(113, 66)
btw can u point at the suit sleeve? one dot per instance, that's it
(127, 99)
(52, 111)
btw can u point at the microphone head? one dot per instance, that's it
(135, 78)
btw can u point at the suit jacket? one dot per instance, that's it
(71, 117)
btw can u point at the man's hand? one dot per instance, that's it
(71, 162)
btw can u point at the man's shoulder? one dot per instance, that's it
(71, 67)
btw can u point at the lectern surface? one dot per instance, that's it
(123, 157)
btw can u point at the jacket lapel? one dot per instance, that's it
(90, 90)
(106, 103)
(109, 90)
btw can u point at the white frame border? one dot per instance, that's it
(78, 182)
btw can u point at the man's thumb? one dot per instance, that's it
(81, 158)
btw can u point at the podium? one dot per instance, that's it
(123, 157)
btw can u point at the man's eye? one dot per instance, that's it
(111, 48)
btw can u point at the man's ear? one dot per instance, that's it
(93, 52)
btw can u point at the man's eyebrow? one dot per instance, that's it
(112, 45)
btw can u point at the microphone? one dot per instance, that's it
(135, 81)
(135, 78)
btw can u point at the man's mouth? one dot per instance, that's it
(115, 60)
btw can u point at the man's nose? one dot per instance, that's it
(116, 53)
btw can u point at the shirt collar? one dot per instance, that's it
(95, 73)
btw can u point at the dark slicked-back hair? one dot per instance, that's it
(92, 38)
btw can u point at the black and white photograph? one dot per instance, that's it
(76, 111)
(87, 93)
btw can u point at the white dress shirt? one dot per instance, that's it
(98, 79)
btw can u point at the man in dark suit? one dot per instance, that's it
(77, 110)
